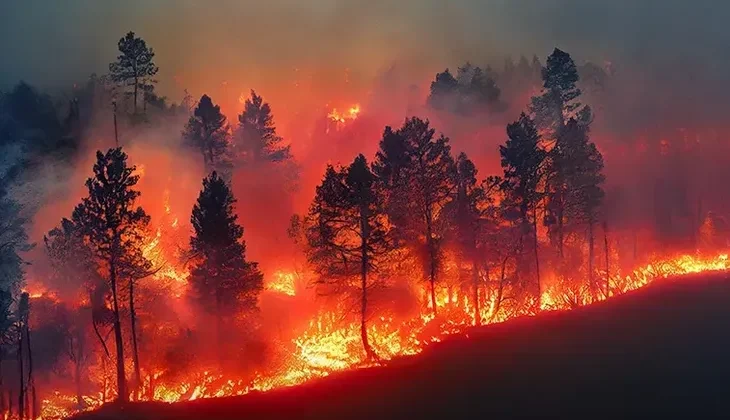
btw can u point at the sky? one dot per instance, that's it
(200, 43)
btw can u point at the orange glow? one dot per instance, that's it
(342, 117)
(328, 345)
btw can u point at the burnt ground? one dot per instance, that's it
(660, 352)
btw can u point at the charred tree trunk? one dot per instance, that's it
(365, 263)
(21, 389)
(135, 349)
(591, 280)
(3, 405)
(31, 381)
(122, 394)
(500, 289)
(605, 248)
(432, 261)
(537, 260)
(475, 283)
(219, 326)
(136, 86)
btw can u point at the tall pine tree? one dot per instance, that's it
(223, 282)
(418, 172)
(207, 131)
(113, 225)
(135, 65)
(522, 162)
(464, 216)
(347, 235)
(257, 133)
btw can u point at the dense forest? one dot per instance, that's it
(171, 251)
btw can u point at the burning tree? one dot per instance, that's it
(223, 282)
(522, 162)
(418, 173)
(208, 132)
(257, 133)
(134, 66)
(465, 216)
(573, 176)
(347, 235)
(73, 273)
(113, 227)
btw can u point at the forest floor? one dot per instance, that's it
(660, 352)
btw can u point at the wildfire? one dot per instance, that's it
(283, 282)
(328, 345)
(351, 114)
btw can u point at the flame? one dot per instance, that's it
(283, 282)
(351, 114)
(328, 345)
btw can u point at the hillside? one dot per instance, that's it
(662, 351)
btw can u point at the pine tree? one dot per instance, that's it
(443, 90)
(347, 235)
(552, 109)
(208, 132)
(71, 260)
(581, 172)
(558, 101)
(112, 225)
(418, 171)
(464, 216)
(135, 65)
(223, 282)
(522, 161)
(257, 133)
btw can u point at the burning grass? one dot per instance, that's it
(328, 346)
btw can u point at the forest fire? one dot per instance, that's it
(328, 346)
(160, 251)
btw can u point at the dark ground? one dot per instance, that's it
(660, 352)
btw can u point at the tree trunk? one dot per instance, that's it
(135, 348)
(136, 85)
(537, 261)
(475, 280)
(219, 327)
(432, 263)
(591, 281)
(21, 391)
(105, 384)
(31, 381)
(500, 289)
(605, 247)
(122, 394)
(364, 304)
(364, 261)
(3, 406)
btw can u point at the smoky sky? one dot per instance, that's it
(53, 43)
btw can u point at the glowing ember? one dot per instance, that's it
(351, 114)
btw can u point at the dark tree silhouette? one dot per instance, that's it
(257, 133)
(522, 161)
(442, 90)
(223, 282)
(135, 65)
(418, 172)
(208, 132)
(467, 222)
(112, 225)
(579, 176)
(472, 89)
(347, 235)
(558, 101)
